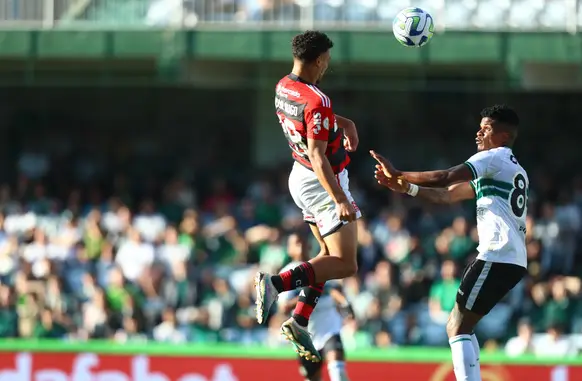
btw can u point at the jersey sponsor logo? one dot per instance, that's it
(285, 92)
(317, 123)
(287, 107)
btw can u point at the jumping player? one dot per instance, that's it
(318, 184)
(326, 321)
(494, 177)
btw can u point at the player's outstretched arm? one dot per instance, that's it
(438, 178)
(454, 193)
(450, 195)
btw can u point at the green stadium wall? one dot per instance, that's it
(168, 55)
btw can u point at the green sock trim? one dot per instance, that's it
(461, 339)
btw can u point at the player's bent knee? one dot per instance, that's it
(351, 268)
(461, 321)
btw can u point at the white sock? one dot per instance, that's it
(477, 350)
(464, 360)
(337, 371)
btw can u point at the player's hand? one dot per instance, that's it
(396, 184)
(345, 211)
(346, 311)
(351, 139)
(385, 165)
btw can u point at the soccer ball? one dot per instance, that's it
(413, 27)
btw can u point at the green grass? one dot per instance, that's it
(410, 354)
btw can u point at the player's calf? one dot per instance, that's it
(308, 298)
(462, 340)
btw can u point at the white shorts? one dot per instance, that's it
(317, 206)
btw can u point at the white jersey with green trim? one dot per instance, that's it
(501, 188)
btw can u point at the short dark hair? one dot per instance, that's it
(309, 45)
(502, 114)
(506, 120)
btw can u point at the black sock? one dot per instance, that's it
(300, 276)
(308, 299)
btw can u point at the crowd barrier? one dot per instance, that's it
(105, 361)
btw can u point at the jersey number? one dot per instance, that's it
(518, 195)
(296, 141)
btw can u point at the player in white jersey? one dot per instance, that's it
(500, 185)
(326, 319)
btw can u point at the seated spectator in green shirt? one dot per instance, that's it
(443, 293)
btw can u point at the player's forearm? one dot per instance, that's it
(436, 195)
(428, 179)
(326, 177)
(343, 122)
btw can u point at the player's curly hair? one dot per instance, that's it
(502, 114)
(309, 45)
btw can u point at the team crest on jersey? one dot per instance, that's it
(326, 123)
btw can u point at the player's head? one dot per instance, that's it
(311, 51)
(498, 127)
(298, 246)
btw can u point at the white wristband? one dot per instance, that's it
(412, 190)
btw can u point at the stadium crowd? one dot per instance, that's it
(176, 264)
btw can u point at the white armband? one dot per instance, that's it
(412, 190)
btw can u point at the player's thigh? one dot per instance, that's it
(322, 246)
(310, 371)
(343, 242)
(485, 283)
(317, 204)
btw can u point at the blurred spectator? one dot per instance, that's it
(443, 293)
(523, 342)
(554, 343)
(154, 265)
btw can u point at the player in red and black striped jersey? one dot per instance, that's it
(320, 141)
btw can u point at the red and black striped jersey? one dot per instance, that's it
(305, 112)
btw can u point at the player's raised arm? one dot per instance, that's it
(450, 195)
(351, 139)
(438, 178)
(319, 121)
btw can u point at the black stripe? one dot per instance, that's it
(335, 229)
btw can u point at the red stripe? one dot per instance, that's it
(318, 287)
(303, 309)
(310, 274)
(286, 278)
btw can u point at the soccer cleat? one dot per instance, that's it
(267, 295)
(301, 340)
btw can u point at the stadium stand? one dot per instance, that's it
(452, 14)
(176, 265)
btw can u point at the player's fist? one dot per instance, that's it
(396, 184)
(345, 211)
(348, 127)
(386, 165)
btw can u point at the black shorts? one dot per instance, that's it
(485, 283)
(308, 368)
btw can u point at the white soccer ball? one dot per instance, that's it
(413, 27)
